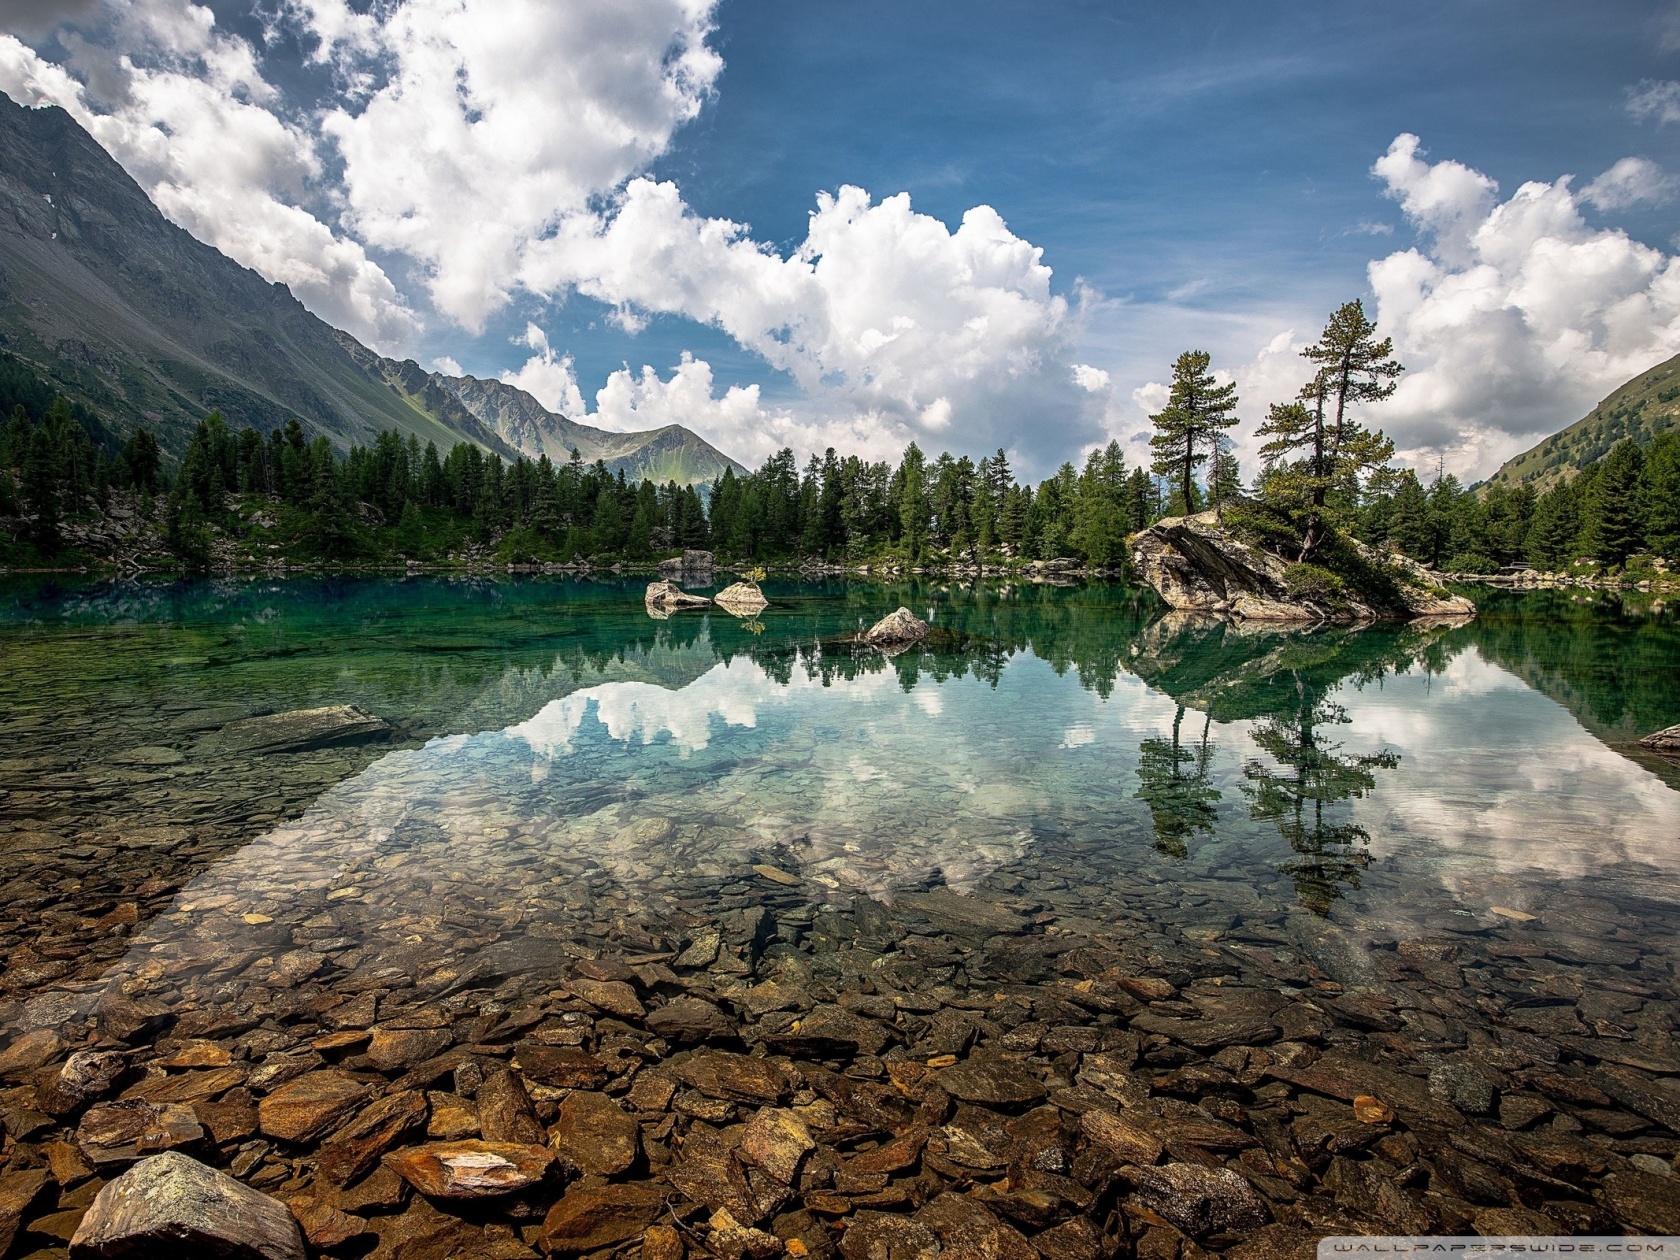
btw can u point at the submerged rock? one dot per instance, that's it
(897, 629)
(171, 1203)
(1196, 564)
(667, 597)
(302, 730)
(744, 599)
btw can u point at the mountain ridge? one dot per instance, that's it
(1640, 408)
(120, 309)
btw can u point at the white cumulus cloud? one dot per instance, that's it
(881, 310)
(1513, 317)
(488, 122)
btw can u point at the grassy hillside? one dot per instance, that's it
(1647, 405)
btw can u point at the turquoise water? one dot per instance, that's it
(560, 754)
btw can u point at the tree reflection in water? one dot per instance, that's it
(1307, 777)
(1176, 787)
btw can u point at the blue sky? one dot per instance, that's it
(1197, 174)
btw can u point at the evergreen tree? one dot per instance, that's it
(914, 510)
(1614, 528)
(1321, 447)
(1187, 429)
(1662, 495)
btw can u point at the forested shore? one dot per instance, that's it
(73, 495)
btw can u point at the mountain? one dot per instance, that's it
(118, 308)
(519, 421)
(1647, 405)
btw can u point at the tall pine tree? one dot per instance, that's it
(1188, 428)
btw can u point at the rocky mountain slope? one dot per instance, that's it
(117, 307)
(1647, 405)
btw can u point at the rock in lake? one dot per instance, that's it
(590, 1218)
(171, 1203)
(992, 1081)
(471, 1169)
(668, 597)
(1201, 1200)
(120, 1132)
(743, 599)
(1196, 564)
(595, 1133)
(302, 730)
(1666, 741)
(897, 629)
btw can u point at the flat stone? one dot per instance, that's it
(690, 1020)
(1130, 1143)
(737, 1077)
(398, 1049)
(1201, 1200)
(173, 1205)
(777, 1141)
(880, 1236)
(564, 1067)
(505, 1111)
(963, 915)
(28, 1052)
(967, 1226)
(995, 1082)
(612, 996)
(1645, 1201)
(356, 1147)
(1077, 1239)
(470, 1170)
(120, 1132)
(197, 1054)
(304, 1109)
(302, 730)
(595, 1217)
(18, 1192)
(595, 1134)
(326, 1226)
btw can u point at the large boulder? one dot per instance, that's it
(171, 1204)
(303, 730)
(1197, 565)
(897, 630)
(697, 563)
(743, 599)
(664, 598)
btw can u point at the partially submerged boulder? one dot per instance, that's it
(696, 563)
(303, 730)
(1666, 742)
(896, 631)
(1194, 563)
(173, 1203)
(743, 599)
(664, 598)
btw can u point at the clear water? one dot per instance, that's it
(566, 769)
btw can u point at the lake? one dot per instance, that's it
(1082, 927)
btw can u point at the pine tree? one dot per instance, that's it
(1554, 529)
(1332, 449)
(1187, 430)
(1614, 527)
(1662, 495)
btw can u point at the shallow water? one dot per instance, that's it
(567, 779)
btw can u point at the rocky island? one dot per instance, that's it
(1202, 564)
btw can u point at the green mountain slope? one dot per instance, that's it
(1647, 405)
(108, 301)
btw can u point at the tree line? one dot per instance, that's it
(1323, 472)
